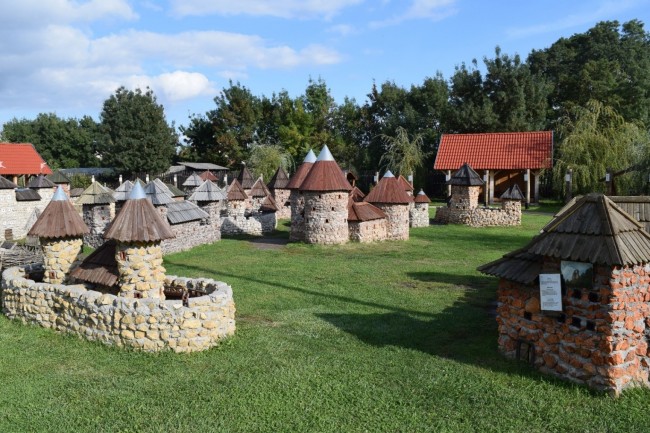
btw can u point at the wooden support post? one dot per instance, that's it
(448, 178)
(486, 187)
(609, 182)
(568, 178)
(527, 179)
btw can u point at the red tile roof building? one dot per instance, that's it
(504, 156)
(21, 159)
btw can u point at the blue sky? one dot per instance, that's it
(67, 56)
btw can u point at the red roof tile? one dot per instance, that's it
(21, 158)
(496, 151)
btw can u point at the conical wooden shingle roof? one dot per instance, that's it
(268, 205)
(207, 191)
(96, 194)
(236, 192)
(123, 191)
(421, 197)
(356, 194)
(193, 180)
(158, 193)
(388, 190)
(7, 184)
(40, 181)
(100, 267)
(325, 175)
(513, 193)
(363, 211)
(279, 180)
(174, 190)
(302, 171)
(59, 219)
(466, 176)
(593, 230)
(405, 183)
(245, 178)
(259, 189)
(207, 175)
(139, 221)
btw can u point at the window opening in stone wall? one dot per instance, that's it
(122, 255)
(528, 315)
(327, 221)
(525, 352)
(561, 318)
(594, 297)
(575, 321)
(137, 295)
(52, 275)
(591, 326)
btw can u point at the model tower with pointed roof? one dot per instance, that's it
(297, 199)
(60, 230)
(278, 187)
(390, 196)
(465, 188)
(138, 231)
(98, 210)
(326, 192)
(419, 214)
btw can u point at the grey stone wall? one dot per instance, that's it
(326, 217)
(144, 324)
(508, 215)
(419, 215)
(97, 217)
(397, 220)
(368, 231)
(255, 224)
(191, 234)
(297, 204)
(281, 197)
(20, 216)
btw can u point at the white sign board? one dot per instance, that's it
(550, 292)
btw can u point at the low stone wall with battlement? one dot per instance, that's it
(256, 224)
(150, 325)
(508, 215)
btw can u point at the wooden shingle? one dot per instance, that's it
(259, 189)
(96, 194)
(39, 182)
(465, 176)
(279, 180)
(325, 175)
(208, 191)
(388, 190)
(302, 171)
(180, 212)
(59, 219)
(245, 178)
(7, 184)
(363, 211)
(236, 192)
(100, 267)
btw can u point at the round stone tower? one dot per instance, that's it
(60, 230)
(98, 209)
(326, 192)
(389, 195)
(419, 214)
(138, 231)
(278, 187)
(297, 199)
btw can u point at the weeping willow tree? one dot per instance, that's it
(264, 160)
(402, 155)
(594, 138)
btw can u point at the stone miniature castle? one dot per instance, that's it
(463, 205)
(124, 297)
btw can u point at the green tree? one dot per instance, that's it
(593, 138)
(63, 143)
(136, 136)
(403, 154)
(264, 160)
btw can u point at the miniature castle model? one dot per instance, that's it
(419, 213)
(326, 191)
(463, 204)
(61, 231)
(389, 196)
(297, 199)
(199, 314)
(574, 302)
(280, 192)
(98, 210)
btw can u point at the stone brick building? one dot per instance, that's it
(390, 196)
(98, 210)
(280, 192)
(594, 329)
(366, 223)
(419, 213)
(326, 192)
(297, 199)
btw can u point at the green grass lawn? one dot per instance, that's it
(393, 337)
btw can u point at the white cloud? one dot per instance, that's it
(433, 10)
(604, 10)
(275, 8)
(342, 29)
(35, 13)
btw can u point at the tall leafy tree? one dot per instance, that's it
(136, 135)
(593, 138)
(63, 143)
(264, 160)
(403, 154)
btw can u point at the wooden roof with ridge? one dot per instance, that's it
(388, 190)
(59, 219)
(279, 180)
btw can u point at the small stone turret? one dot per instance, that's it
(138, 231)
(246, 179)
(419, 214)
(326, 191)
(390, 196)
(297, 199)
(278, 187)
(61, 231)
(98, 209)
(465, 188)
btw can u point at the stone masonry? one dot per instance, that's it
(19, 216)
(141, 271)
(97, 217)
(282, 196)
(397, 216)
(419, 215)
(368, 231)
(326, 217)
(59, 255)
(601, 337)
(143, 324)
(297, 201)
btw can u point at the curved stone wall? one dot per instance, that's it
(326, 217)
(397, 216)
(144, 324)
(419, 215)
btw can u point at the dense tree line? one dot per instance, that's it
(592, 88)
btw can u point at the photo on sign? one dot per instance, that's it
(577, 275)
